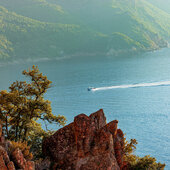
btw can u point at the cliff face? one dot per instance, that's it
(87, 143)
(12, 160)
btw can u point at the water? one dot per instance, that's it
(142, 106)
(163, 83)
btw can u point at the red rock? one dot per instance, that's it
(112, 127)
(30, 165)
(87, 143)
(2, 138)
(98, 118)
(4, 154)
(43, 164)
(2, 163)
(18, 159)
(83, 132)
(61, 146)
(11, 166)
(118, 147)
(120, 133)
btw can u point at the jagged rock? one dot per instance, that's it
(43, 164)
(87, 143)
(61, 146)
(2, 139)
(30, 165)
(118, 147)
(98, 119)
(18, 159)
(2, 163)
(11, 166)
(4, 155)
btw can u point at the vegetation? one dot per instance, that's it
(5, 48)
(135, 162)
(30, 37)
(23, 108)
(162, 4)
(23, 146)
(49, 28)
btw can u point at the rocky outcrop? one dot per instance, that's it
(2, 139)
(87, 143)
(43, 164)
(13, 160)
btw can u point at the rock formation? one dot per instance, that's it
(14, 160)
(86, 144)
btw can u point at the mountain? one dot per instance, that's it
(37, 9)
(26, 38)
(162, 4)
(139, 20)
(50, 28)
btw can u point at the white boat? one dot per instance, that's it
(90, 88)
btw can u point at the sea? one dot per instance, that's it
(135, 90)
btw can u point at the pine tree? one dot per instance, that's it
(24, 108)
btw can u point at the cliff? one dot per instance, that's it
(87, 143)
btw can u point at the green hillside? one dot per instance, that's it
(146, 24)
(6, 49)
(37, 9)
(50, 28)
(25, 37)
(140, 21)
(162, 4)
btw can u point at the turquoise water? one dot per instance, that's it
(143, 111)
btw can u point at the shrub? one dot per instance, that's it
(25, 149)
(139, 163)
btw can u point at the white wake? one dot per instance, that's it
(163, 83)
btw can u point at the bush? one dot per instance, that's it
(139, 163)
(25, 149)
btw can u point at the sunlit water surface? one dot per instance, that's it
(143, 111)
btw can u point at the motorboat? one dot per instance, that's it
(90, 88)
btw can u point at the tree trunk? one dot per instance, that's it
(6, 124)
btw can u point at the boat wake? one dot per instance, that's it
(163, 83)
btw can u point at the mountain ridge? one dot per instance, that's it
(57, 28)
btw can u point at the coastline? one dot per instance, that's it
(114, 53)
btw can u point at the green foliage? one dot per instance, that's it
(24, 105)
(35, 139)
(124, 42)
(129, 148)
(145, 163)
(6, 49)
(135, 162)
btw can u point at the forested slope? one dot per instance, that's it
(50, 28)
